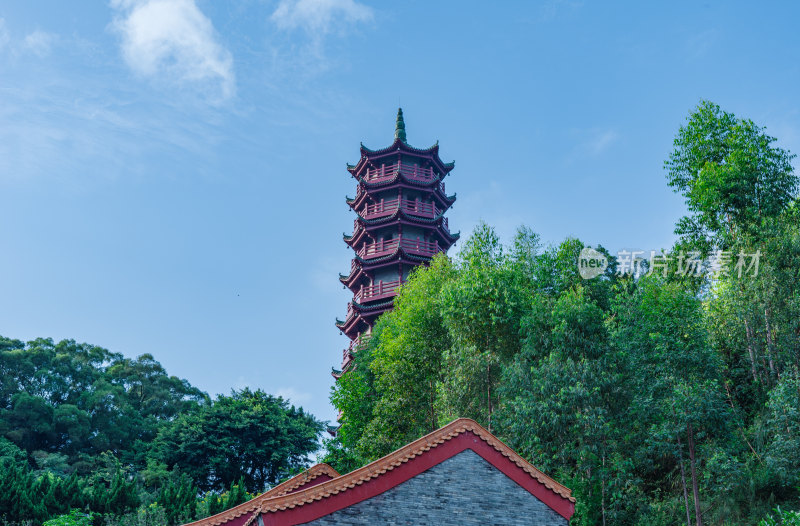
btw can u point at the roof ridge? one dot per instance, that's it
(284, 488)
(403, 455)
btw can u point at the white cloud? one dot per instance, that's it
(38, 42)
(319, 17)
(173, 40)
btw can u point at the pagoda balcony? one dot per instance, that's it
(360, 192)
(359, 343)
(383, 290)
(386, 247)
(387, 208)
(409, 171)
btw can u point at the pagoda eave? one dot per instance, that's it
(360, 321)
(398, 256)
(399, 178)
(362, 197)
(443, 234)
(400, 145)
(400, 215)
(351, 280)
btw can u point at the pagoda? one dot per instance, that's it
(400, 205)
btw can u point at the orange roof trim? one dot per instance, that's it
(284, 488)
(300, 480)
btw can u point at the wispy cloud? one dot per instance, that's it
(551, 9)
(316, 20)
(38, 42)
(173, 41)
(698, 45)
(319, 17)
(592, 141)
(601, 140)
(91, 131)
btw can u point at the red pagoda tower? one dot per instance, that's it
(400, 205)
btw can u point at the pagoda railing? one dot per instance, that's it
(409, 171)
(388, 246)
(383, 289)
(417, 208)
(359, 343)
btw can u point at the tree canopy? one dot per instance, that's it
(82, 428)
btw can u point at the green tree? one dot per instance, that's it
(782, 429)
(733, 178)
(562, 397)
(481, 310)
(249, 435)
(73, 518)
(178, 498)
(675, 375)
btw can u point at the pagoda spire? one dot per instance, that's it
(400, 127)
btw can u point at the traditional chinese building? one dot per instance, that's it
(458, 475)
(400, 204)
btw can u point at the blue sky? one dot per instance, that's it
(172, 171)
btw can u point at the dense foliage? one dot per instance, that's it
(86, 434)
(664, 397)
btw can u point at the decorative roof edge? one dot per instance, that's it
(404, 454)
(301, 479)
(280, 490)
(432, 153)
(398, 253)
(369, 308)
(399, 144)
(394, 215)
(433, 183)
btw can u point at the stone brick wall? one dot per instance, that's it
(463, 490)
